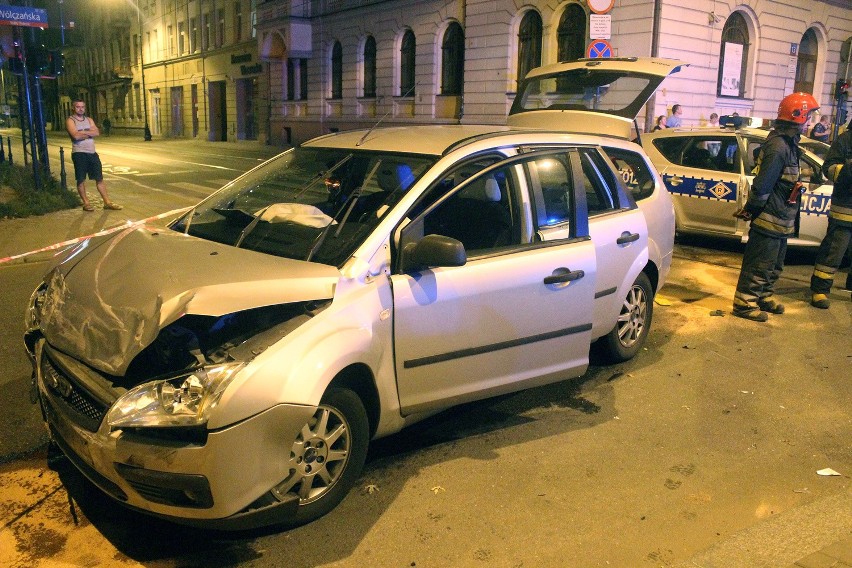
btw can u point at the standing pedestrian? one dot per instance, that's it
(714, 120)
(82, 130)
(837, 166)
(772, 205)
(661, 123)
(820, 131)
(674, 121)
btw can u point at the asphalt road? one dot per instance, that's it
(702, 451)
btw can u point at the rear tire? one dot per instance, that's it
(634, 321)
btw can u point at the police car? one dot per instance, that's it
(709, 172)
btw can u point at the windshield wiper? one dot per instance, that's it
(348, 204)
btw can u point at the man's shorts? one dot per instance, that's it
(87, 164)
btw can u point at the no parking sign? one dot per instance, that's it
(599, 48)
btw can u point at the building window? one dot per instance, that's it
(136, 49)
(406, 64)
(336, 71)
(452, 62)
(806, 64)
(193, 35)
(733, 57)
(238, 21)
(291, 80)
(170, 32)
(571, 35)
(370, 67)
(529, 43)
(253, 18)
(303, 79)
(220, 27)
(181, 38)
(205, 31)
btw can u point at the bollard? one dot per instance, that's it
(2, 151)
(63, 180)
(9, 142)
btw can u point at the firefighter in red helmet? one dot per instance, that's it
(772, 205)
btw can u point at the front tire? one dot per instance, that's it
(327, 456)
(634, 321)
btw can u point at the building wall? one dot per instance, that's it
(689, 30)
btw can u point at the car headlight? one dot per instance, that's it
(32, 317)
(182, 401)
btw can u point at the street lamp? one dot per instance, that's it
(147, 134)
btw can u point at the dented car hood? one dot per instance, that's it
(112, 295)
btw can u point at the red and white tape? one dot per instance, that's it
(65, 244)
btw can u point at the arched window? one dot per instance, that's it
(336, 71)
(406, 64)
(370, 67)
(733, 57)
(806, 63)
(529, 43)
(452, 61)
(571, 36)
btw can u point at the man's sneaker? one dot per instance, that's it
(753, 315)
(771, 306)
(820, 301)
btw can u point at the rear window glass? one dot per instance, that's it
(634, 172)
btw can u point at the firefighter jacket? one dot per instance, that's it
(838, 168)
(777, 172)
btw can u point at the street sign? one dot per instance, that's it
(23, 16)
(599, 48)
(601, 6)
(600, 26)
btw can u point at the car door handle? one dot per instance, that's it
(627, 237)
(674, 180)
(562, 275)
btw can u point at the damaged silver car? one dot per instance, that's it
(229, 368)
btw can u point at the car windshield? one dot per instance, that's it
(815, 146)
(582, 89)
(308, 203)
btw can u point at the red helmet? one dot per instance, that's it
(796, 107)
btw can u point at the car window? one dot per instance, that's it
(599, 194)
(708, 152)
(478, 209)
(553, 185)
(634, 172)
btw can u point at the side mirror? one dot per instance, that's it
(433, 250)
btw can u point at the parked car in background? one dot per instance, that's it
(709, 172)
(229, 370)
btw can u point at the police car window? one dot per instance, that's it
(634, 172)
(599, 196)
(672, 148)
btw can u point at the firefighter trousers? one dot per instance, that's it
(763, 261)
(829, 256)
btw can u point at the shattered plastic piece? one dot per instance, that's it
(437, 489)
(662, 301)
(827, 471)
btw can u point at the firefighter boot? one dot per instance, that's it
(771, 306)
(820, 301)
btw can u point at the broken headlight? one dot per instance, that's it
(186, 400)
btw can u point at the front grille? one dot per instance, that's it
(84, 409)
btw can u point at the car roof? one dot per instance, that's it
(437, 140)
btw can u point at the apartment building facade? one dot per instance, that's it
(283, 71)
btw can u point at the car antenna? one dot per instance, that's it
(378, 122)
